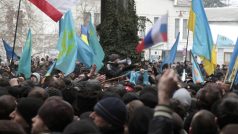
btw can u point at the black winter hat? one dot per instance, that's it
(113, 110)
(28, 108)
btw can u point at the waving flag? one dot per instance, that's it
(158, 33)
(202, 37)
(96, 47)
(55, 9)
(85, 53)
(233, 62)
(84, 33)
(24, 66)
(172, 54)
(67, 45)
(196, 72)
(48, 73)
(9, 51)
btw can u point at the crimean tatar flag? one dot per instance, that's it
(55, 9)
(202, 37)
(67, 46)
(24, 66)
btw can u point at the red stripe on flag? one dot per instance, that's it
(140, 47)
(164, 36)
(48, 9)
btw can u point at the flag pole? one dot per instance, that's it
(15, 36)
(185, 64)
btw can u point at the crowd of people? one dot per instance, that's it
(122, 98)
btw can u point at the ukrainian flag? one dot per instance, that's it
(202, 37)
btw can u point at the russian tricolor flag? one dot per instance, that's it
(55, 9)
(158, 33)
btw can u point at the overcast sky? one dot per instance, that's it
(234, 2)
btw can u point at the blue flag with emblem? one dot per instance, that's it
(24, 66)
(96, 47)
(67, 46)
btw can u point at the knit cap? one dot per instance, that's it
(183, 96)
(112, 110)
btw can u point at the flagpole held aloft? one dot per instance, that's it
(15, 36)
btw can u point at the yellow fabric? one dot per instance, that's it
(191, 20)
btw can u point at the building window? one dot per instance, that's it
(176, 27)
(96, 19)
(185, 28)
(155, 19)
(227, 57)
(155, 52)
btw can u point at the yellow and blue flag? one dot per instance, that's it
(202, 37)
(84, 33)
(196, 72)
(233, 58)
(24, 66)
(96, 47)
(67, 46)
(85, 53)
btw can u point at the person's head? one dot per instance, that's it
(228, 111)
(81, 127)
(183, 96)
(54, 115)
(38, 92)
(208, 95)
(7, 105)
(230, 129)
(203, 122)
(25, 110)
(132, 106)
(36, 78)
(10, 127)
(139, 122)
(110, 113)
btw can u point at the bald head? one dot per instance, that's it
(203, 122)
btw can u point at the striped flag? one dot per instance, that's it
(157, 34)
(196, 72)
(55, 9)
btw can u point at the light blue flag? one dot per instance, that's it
(85, 53)
(172, 54)
(24, 66)
(51, 69)
(95, 45)
(196, 72)
(67, 46)
(224, 41)
(9, 51)
(233, 58)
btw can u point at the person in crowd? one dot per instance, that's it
(53, 116)
(110, 115)
(25, 110)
